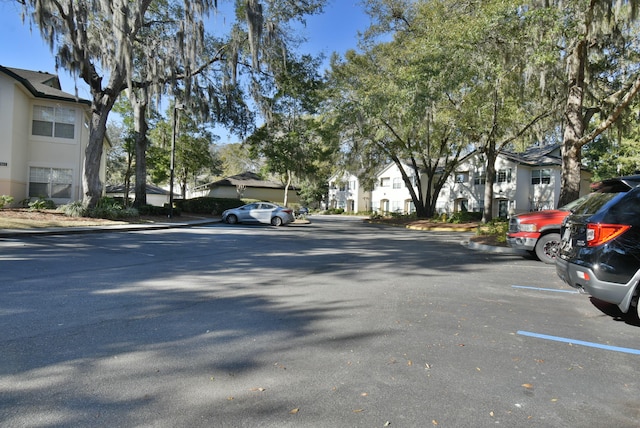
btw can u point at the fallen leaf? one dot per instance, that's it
(409, 363)
(527, 385)
(364, 394)
(294, 411)
(258, 389)
(491, 413)
(229, 398)
(478, 369)
(358, 410)
(434, 422)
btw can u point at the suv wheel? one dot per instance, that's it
(632, 314)
(547, 247)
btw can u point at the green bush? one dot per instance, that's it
(5, 200)
(207, 205)
(73, 209)
(42, 204)
(465, 217)
(152, 210)
(111, 209)
(497, 227)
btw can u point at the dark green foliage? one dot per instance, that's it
(42, 204)
(111, 209)
(152, 210)
(206, 205)
(465, 217)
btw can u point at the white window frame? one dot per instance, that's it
(540, 176)
(54, 180)
(54, 122)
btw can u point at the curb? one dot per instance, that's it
(494, 249)
(12, 233)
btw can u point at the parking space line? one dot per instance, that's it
(580, 342)
(546, 289)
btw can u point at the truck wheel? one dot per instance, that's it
(547, 247)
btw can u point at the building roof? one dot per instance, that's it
(151, 189)
(248, 179)
(41, 84)
(536, 155)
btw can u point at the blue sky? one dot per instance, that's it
(333, 31)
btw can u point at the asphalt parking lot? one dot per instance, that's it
(335, 323)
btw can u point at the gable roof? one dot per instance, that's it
(41, 84)
(151, 189)
(536, 155)
(248, 179)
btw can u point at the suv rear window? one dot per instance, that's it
(593, 203)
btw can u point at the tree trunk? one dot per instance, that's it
(139, 105)
(574, 128)
(490, 178)
(101, 105)
(286, 189)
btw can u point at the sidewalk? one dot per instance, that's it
(13, 233)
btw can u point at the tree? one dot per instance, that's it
(93, 40)
(108, 45)
(599, 44)
(291, 141)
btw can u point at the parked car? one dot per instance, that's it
(600, 248)
(259, 212)
(539, 232)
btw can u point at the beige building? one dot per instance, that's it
(45, 133)
(249, 186)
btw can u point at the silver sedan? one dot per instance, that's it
(259, 212)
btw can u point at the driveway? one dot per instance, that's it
(331, 324)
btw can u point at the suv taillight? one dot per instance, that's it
(598, 234)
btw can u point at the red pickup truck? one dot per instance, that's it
(539, 232)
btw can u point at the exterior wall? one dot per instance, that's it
(20, 150)
(390, 194)
(257, 193)
(464, 189)
(345, 192)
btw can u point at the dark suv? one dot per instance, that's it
(599, 252)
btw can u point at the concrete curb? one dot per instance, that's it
(494, 249)
(13, 233)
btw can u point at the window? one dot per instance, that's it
(503, 176)
(479, 179)
(385, 182)
(397, 183)
(50, 183)
(541, 176)
(462, 177)
(55, 122)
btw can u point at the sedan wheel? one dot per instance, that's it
(547, 247)
(276, 221)
(232, 219)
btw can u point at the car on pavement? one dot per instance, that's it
(599, 252)
(259, 212)
(538, 232)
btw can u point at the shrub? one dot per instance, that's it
(73, 209)
(465, 217)
(152, 210)
(111, 209)
(496, 227)
(207, 205)
(42, 204)
(5, 200)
